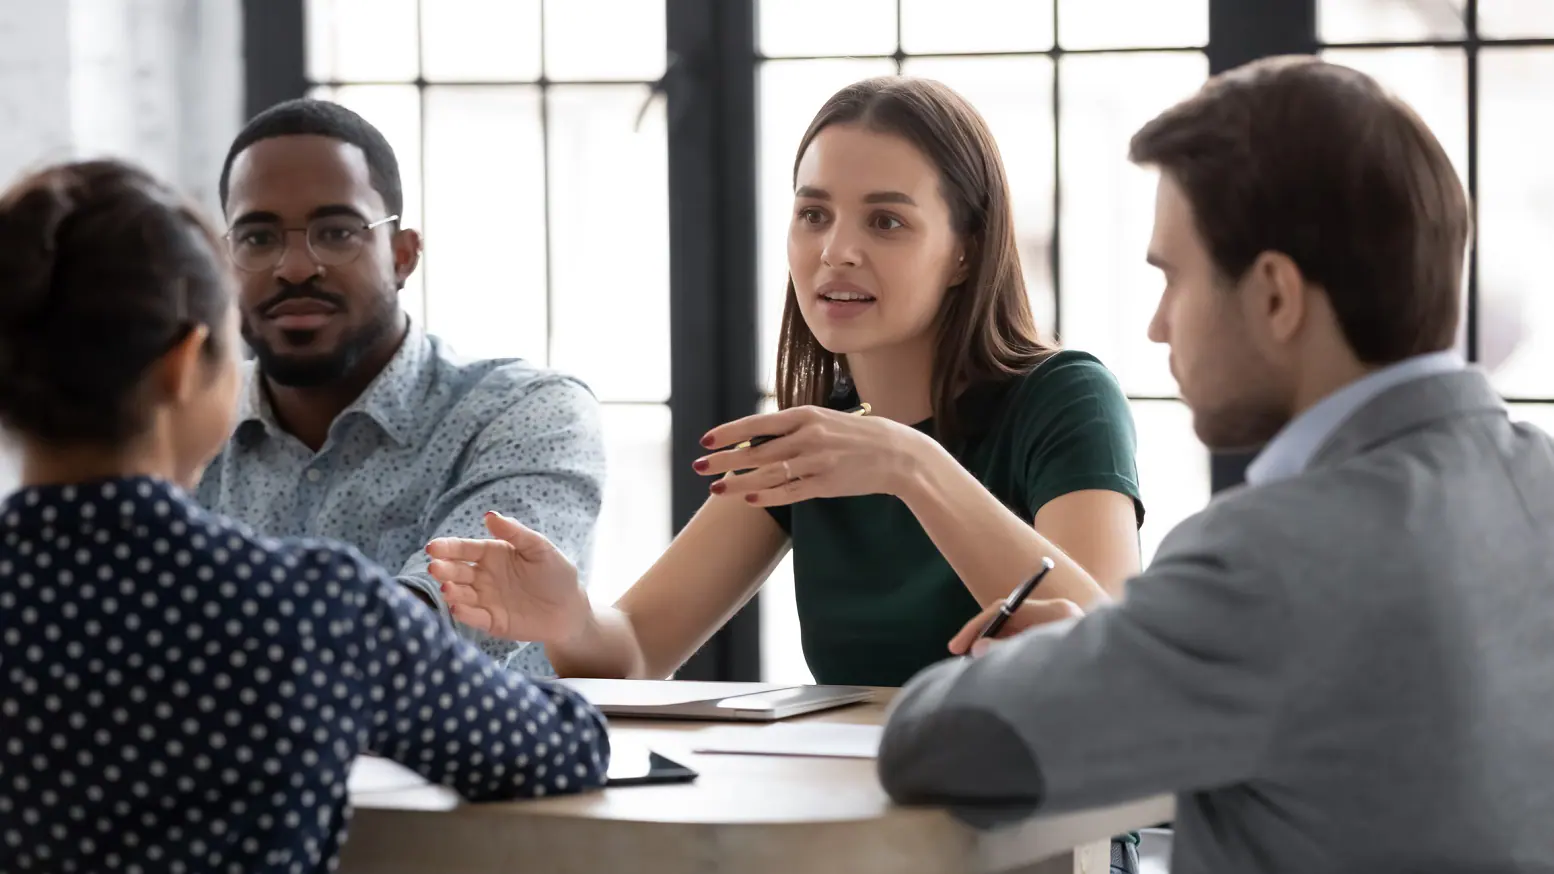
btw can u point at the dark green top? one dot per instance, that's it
(876, 600)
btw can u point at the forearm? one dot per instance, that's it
(990, 548)
(606, 646)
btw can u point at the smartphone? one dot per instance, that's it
(635, 765)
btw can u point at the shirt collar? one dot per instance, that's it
(391, 400)
(1294, 446)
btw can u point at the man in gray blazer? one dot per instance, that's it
(1347, 664)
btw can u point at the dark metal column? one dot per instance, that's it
(711, 88)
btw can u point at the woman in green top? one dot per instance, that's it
(984, 450)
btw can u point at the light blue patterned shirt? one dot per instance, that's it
(1288, 453)
(429, 447)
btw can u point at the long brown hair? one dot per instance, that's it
(985, 328)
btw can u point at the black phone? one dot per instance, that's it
(633, 765)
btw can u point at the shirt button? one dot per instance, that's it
(313, 475)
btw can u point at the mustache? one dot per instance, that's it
(302, 291)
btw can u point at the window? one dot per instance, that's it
(528, 149)
(1062, 84)
(1431, 55)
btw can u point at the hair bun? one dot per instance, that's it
(30, 223)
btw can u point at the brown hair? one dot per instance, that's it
(1318, 162)
(103, 269)
(985, 328)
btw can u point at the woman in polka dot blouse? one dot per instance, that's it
(179, 693)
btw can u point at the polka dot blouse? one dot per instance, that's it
(181, 695)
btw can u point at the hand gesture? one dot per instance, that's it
(814, 453)
(518, 586)
(1028, 615)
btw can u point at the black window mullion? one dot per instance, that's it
(275, 64)
(1055, 243)
(1470, 23)
(714, 377)
(550, 245)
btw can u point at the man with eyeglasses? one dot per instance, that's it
(358, 426)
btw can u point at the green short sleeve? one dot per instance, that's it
(1076, 432)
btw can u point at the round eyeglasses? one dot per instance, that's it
(333, 240)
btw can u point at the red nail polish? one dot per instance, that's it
(707, 441)
(750, 498)
(701, 465)
(718, 488)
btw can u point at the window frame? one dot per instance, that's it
(711, 89)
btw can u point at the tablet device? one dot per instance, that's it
(633, 765)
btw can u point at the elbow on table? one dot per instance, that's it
(959, 758)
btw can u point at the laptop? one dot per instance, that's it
(735, 702)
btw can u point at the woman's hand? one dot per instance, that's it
(518, 586)
(1028, 615)
(817, 453)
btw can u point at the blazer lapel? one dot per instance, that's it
(1409, 407)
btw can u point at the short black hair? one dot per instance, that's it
(307, 116)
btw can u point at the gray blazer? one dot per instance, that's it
(1348, 670)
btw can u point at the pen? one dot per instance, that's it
(860, 410)
(1013, 602)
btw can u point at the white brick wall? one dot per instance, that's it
(158, 82)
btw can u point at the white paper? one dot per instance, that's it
(376, 774)
(659, 693)
(821, 739)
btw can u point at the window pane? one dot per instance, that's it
(485, 231)
(1109, 292)
(782, 650)
(791, 93)
(976, 25)
(1112, 24)
(634, 522)
(1540, 415)
(1391, 20)
(814, 28)
(395, 110)
(10, 469)
(1516, 220)
(1512, 19)
(609, 187)
(1173, 469)
(630, 45)
(1014, 95)
(361, 40)
(504, 46)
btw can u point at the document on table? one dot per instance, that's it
(819, 739)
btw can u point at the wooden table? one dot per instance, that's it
(746, 814)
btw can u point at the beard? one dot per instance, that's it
(316, 369)
(1239, 426)
(1248, 409)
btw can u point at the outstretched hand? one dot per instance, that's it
(1028, 615)
(516, 586)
